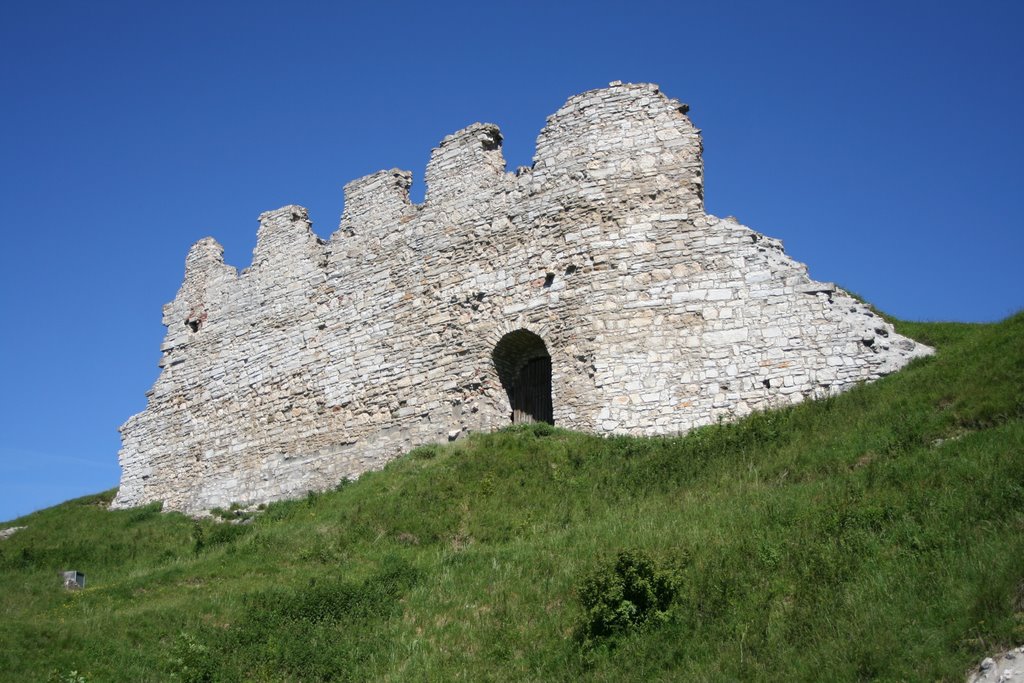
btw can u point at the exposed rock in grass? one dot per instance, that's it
(1007, 667)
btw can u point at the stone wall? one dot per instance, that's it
(323, 360)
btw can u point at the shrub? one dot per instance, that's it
(191, 660)
(542, 429)
(426, 452)
(625, 594)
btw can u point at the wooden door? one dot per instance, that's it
(531, 399)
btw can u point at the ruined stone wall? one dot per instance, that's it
(323, 360)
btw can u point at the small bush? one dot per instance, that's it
(190, 660)
(425, 452)
(628, 593)
(542, 429)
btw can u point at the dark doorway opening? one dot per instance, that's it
(524, 367)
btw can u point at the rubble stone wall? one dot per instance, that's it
(323, 360)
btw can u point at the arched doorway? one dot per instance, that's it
(524, 367)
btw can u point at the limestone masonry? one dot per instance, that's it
(591, 290)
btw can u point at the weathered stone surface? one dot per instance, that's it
(324, 360)
(1007, 667)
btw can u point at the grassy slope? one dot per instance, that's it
(840, 539)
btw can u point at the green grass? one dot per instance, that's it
(878, 535)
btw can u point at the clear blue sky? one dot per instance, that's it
(880, 140)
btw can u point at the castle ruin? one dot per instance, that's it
(590, 290)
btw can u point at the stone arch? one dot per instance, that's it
(523, 364)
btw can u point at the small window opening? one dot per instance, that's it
(767, 383)
(192, 325)
(569, 270)
(549, 279)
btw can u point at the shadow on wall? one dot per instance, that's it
(524, 367)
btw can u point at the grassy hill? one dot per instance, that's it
(875, 535)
